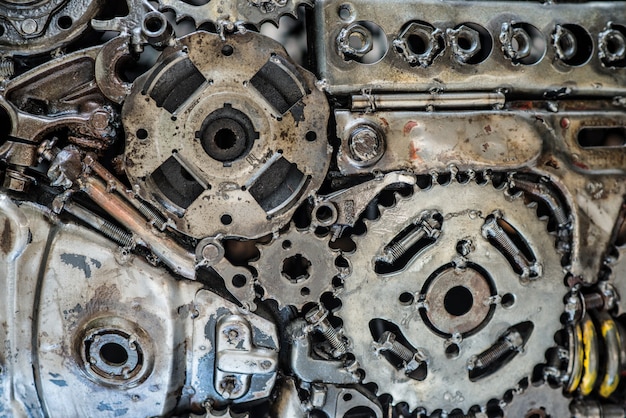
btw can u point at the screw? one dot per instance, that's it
(427, 227)
(387, 342)
(366, 145)
(317, 318)
(511, 340)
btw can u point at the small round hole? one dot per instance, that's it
(141, 133)
(154, 24)
(464, 42)
(227, 50)
(417, 44)
(305, 291)
(286, 244)
(347, 397)
(311, 136)
(226, 219)
(65, 22)
(324, 213)
(406, 298)
(508, 300)
(452, 351)
(239, 280)
(113, 354)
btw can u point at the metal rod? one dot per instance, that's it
(361, 102)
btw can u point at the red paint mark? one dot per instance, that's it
(384, 122)
(409, 126)
(488, 129)
(413, 152)
(580, 165)
(564, 123)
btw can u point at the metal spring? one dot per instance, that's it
(7, 68)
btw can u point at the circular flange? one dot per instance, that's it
(236, 137)
(454, 299)
(459, 275)
(115, 352)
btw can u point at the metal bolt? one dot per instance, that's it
(317, 318)
(387, 342)
(211, 252)
(366, 145)
(7, 67)
(427, 227)
(511, 340)
(492, 230)
(29, 26)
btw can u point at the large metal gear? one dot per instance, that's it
(235, 121)
(463, 319)
(296, 268)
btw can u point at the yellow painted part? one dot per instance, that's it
(590, 362)
(578, 374)
(611, 378)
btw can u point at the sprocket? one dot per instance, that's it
(296, 267)
(254, 12)
(475, 315)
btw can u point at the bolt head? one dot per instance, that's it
(366, 145)
(211, 252)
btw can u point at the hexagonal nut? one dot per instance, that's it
(354, 41)
(516, 42)
(612, 46)
(465, 42)
(419, 44)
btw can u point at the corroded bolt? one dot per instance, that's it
(427, 227)
(29, 26)
(388, 342)
(317, 318)
(229, 386)
(511, 340)
(366, 145)
(210, 252)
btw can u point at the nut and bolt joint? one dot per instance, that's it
(366, 145)
(318, 321)
(388, 342)
(512, 340)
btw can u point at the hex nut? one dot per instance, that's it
(465, 43)
(419, 44)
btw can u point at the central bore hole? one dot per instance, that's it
(464, 42)
(296, 268)
(225, 138)
(114, 354)
(417, 44)
(458, 301)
